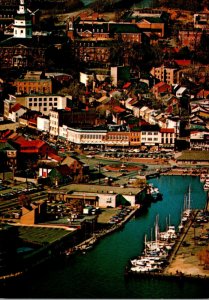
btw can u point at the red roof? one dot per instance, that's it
(118, 109)
(203, 93)
(6, 133)
(54, 157)
(183, 62)
(162, 87)
(167, 130)
(16, 107)
(68, 108)
(126, 85)
(33, 143)
(159, 84)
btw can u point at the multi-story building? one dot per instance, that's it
(168, 137)
(77, 118)
(190, 38)
(91, 136)
(151, 21)
(165, 74)
(37, 102)
(117, 138)
(32, 83)
(150, 135)
(94, 40)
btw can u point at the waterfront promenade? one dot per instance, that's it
(187, 257)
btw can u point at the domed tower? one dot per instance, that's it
(22, 22)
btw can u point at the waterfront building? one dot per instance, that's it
(33, 213)
(91, 136)
(193, 157)
(150, 135)
(99, 196)
(60, 118)
(168, 137)
(8, 245)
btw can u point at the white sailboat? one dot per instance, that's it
(187, 211)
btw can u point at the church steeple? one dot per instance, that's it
(23, 22)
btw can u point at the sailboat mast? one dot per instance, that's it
(189, 197)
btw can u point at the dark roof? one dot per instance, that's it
(124, 28)
(149, 19)
(90, 26)
(4, 146)
(150, 128)
(64, 170)
(34, 41)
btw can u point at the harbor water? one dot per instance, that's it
(99, 273)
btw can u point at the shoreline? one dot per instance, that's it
(184, 262)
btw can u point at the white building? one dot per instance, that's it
(150, 136)
(43, 123)
(86, 136)
(15, 112)
(44, 103)
(22, 22)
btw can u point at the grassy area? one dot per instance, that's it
(42, 235)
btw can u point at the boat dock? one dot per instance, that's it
(189, 257)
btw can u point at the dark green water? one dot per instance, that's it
(100, 272)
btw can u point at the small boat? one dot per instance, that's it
(154, 192)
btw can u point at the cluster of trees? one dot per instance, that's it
(193, 5)
(60, 6)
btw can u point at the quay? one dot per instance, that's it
(188, 259)
(88, 244)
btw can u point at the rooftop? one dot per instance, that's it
(106, 189)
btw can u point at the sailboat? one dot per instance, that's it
(170, 233)
(187, 210)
